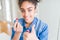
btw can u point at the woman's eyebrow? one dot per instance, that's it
(21, 8)
(29, 8)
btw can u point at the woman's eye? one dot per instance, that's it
(29, 10)
(22, 10)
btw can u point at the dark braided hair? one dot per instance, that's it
(32, 1)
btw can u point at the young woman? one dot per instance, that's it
(29, 27)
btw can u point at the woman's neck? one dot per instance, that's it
(27, 25)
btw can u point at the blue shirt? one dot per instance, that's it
(41, 29)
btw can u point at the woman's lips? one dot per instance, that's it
(27, 18)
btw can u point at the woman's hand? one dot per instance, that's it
(17, 27)
(18, 30)
(30, 36)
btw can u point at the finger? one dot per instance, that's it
(15, 25)
(33, 30)
(19, 28)
(28, 31)
(16, 19)
(24, 37)
(20, 25)
(26, 34)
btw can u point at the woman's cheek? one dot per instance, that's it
(23, 15)
(32, 15)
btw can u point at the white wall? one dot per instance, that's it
(0, 10)
(49, 11)
(15, 9)
(59, 31)
(5, 11)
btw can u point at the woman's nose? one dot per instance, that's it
(26, 14)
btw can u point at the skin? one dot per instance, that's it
(28, 13)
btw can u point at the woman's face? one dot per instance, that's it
(28, 11)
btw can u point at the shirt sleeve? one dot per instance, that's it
(13, 32)
(21, 22)
(43, 34)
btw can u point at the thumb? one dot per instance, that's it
(16, 19)
(33, 30)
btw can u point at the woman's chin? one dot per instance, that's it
(27, 21)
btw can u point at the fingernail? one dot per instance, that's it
(28, 31)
